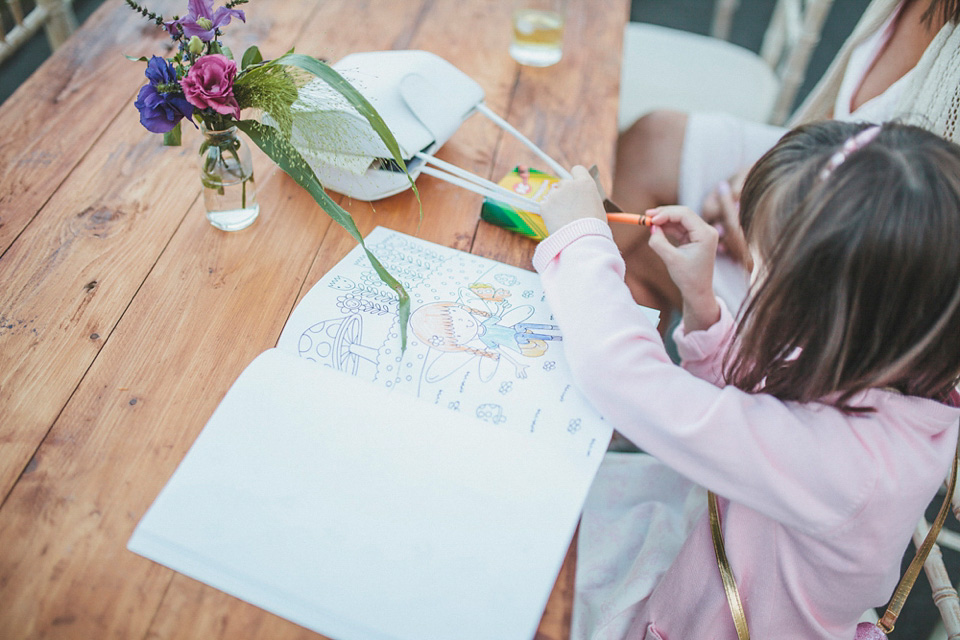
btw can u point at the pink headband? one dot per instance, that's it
(853, 143)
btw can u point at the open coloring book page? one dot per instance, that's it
(369, 494)
(481, 340)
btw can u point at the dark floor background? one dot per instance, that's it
(919, 616)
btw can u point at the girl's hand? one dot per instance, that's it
(571, 200)
(721, 208)
(688, 246)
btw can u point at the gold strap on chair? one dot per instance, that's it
(889, 618)
(726, 573)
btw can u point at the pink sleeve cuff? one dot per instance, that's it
(700, 345)
(550, 247)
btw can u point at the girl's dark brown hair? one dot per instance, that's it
(860, 272)
(945, 10)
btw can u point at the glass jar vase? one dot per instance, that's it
(226, 171)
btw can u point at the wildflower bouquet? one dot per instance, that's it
(202, 83)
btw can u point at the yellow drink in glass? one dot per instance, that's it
(537, 37)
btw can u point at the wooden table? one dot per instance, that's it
(125, 317)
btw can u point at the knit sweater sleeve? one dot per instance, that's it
(702, 352)
(750, 448)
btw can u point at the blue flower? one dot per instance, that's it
(202, 21)
(161, 102)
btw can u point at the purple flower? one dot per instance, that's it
(209, 84)
(202, 21)
(161, 102)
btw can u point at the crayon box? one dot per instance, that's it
(531, 184)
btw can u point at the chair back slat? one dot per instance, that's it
(60, 20)
(788, 43)
(789, 52)
(723, 12)
(56, 17)
(16, 11)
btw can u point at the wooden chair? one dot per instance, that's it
(673, 69)
(55, 16)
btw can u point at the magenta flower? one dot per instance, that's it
(202, 21)
(209, 84)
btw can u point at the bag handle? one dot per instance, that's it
(900, 594)
(726, 573)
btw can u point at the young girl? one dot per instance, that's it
(828, 428)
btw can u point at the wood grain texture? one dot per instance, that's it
(70, 515)
(125, 317)
(208, 308)
(57, 114)
(71, 274)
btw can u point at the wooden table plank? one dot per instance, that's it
(71, 274)
(221, 299)
(58, 113)
(61, 578)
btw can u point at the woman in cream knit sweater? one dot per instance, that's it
(901, 61)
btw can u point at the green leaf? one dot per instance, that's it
(172, 138)
(361, 104)
(225, 50)
(279, 149)
(140, 59)
(251, 56)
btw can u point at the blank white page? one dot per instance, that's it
(362, 513)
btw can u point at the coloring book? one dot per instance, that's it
(368, 493)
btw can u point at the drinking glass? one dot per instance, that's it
(538, 32)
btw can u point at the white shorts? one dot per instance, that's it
(715, 146)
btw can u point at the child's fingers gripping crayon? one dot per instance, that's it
(688, 246)
(681, 225)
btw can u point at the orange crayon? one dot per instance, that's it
(631, 218)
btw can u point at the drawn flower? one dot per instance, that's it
(161, 103)
(202, 21)
(349, 303)
(209, 84)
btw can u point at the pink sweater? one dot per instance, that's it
(817, 506)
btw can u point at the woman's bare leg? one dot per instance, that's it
(648, 161)
(646, 176)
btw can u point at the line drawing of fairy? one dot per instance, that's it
(480, 325)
